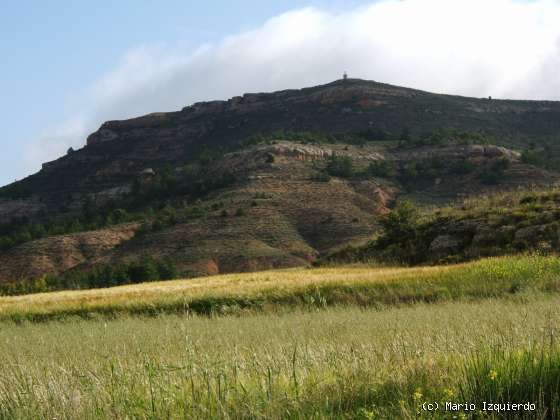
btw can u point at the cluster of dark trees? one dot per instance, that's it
(160, 192)
(343, 167)
(299, 136)
(22, 230)
(405, 138)
(145, 269)
(432, 167)
(494, 171)
(544, 157)
(414, 171)
(170, 215)
(443, 136)
(313, 137)
(194, 182)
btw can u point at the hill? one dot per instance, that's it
(265, 180)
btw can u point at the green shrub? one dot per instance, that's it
(382, 168)
(207, 156)
(167, 270)
(462, 167)
(143, 270)
(493, 172)
(532, 157)
(400, 223)
(321, 177)
(217, 206)
(401, 239)
(405, 137)
(340, 166)
(409, 172)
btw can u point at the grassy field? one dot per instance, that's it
(346, 342)
(320, 287)
(337, 362)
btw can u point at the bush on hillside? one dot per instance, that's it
(340, 166)
(532, 157)
(402, 239)
(401, 223)
(321, 177)
(495, 171)
(462, 167)
(382, 168)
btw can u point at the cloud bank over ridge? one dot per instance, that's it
(503, 48)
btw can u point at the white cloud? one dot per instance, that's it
(503, 48)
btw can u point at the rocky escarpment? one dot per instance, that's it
(11, 209)
(120, 150)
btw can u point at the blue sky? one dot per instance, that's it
(52, 49)
(67, 66)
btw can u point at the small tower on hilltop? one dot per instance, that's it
(344, 76)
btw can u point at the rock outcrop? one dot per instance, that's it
(11, 209)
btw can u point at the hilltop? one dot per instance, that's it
(266, 180)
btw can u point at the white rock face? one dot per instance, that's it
(309, 152)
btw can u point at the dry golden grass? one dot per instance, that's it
(240, 285)
(319, 287)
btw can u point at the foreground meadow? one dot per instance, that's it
(338, 362)
(346, 342)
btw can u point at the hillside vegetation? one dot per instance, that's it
(496, 224)
(286, 204)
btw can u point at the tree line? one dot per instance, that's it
(143, 270)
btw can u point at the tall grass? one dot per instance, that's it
(344, 362)
(522, 376)
(299, 288)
